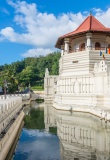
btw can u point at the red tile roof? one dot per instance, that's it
(90, 24)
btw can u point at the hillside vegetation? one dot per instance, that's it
(28, 72)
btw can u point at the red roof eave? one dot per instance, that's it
(57, 45)
(90, 24)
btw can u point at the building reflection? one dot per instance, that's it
(82, 136)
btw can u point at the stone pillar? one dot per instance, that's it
(66, 45)
(62, 50)
(89, 43)
(46, 72)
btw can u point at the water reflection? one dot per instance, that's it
(82, 136)
(37, 145)
(34, 105)
(35, 142)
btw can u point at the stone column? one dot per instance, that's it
(89, 43)
(46, 72)
(62, 50)
(66, 45)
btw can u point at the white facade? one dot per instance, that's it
(49, 86)
(80, 91)
(83, 82)
(84, 76)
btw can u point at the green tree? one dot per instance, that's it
(29, 70)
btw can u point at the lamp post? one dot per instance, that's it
(29, 89)
(29, 86)
(5, 86)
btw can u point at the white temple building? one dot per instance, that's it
(83, 83)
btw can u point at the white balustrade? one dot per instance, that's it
(8, 109)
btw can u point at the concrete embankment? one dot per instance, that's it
(8, 139)
(14, 145)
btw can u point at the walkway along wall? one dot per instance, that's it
(11, 116)
(7, 141)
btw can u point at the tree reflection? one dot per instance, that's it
(35, 119)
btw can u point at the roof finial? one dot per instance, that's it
(90, 13)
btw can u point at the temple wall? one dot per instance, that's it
(49, 89)
(89, 90)
(80, 63)
(74, 64)
(83, 80)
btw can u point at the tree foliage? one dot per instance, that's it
(30, 70)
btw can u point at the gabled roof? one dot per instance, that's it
(90, 24)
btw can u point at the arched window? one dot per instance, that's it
(108, 45)
(97, 46)
(82, 47)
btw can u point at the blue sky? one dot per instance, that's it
(30, 28)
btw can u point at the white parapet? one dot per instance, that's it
(8, 139)
(8, 109)
(83, 81)
(23, 96)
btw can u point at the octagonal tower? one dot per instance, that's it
(84, 69)
(81, 48)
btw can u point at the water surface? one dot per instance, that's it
(35, 142)
(52, 134)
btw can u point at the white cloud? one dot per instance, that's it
(42, 29)
(9, 34)
(36, 132)
(103, 17)
(43, 141)
(96, 10)
(37, 52)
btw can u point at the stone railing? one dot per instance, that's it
(92, 48)
(7, 140)
(24, 96)
(8, 109)
(75, 85)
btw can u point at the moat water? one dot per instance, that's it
(35, 142)
(50, 134)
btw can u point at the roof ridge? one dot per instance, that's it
(99, 22)
(90, 22)
(81, 24)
